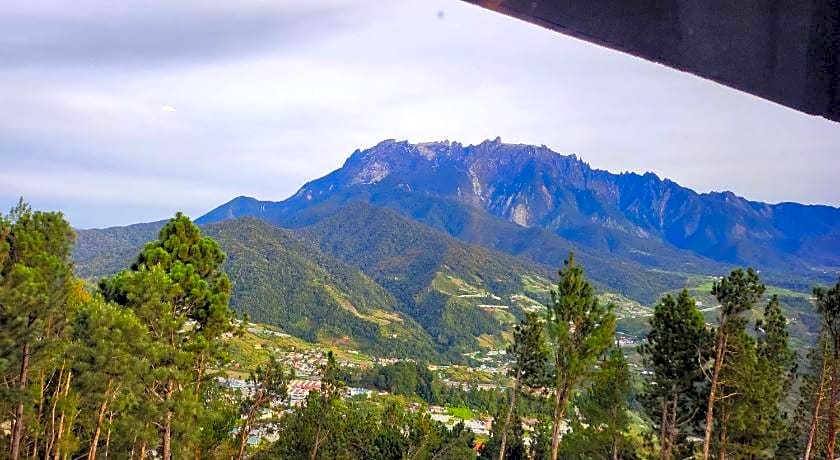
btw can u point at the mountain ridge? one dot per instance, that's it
(626, 215)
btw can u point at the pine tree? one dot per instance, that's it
(828, 304)
(738, 292)
(776, 369)
(599, 429)
(505, 424)
(580, 329)
(529, 368)
(673, 349)
(806, 437)
(109, 346)
(177, 289)
(35, 279)
(270, 385)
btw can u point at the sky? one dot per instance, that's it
(118, 112)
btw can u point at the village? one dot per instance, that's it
(488, 370)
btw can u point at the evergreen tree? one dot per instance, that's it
(580, 329)
(514, 447)
(764, 424)
(35, 279)
(738, 292)
(529, 367)
(828, 304)
(177, 290)
(599, 429)
(270, 385)
(108, 349)
(755, 381)
(806, 436)
(673, 349)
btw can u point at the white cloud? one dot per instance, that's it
(273, 98)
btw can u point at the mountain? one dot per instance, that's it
(399, 288)
(439, 247)
(280, 279)
(456, 291)
(105, 251)
(636, 233)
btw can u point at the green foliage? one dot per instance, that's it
(403, 378)
(600, 427)
(353, 429)
(282, 280)
(828, 304)
(675, 347)
(177, 290)
(580, 329)
(515, 448)
(35, 282)
(529, 352)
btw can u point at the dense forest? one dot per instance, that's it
(132, 367)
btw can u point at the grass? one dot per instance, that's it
(463, 413)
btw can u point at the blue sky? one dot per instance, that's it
(122, 112)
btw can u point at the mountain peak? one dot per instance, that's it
(535, 187)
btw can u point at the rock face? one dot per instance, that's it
(534, 187)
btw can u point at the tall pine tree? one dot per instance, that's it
(599, 429)
(738, 292)
(529, 368)
(828, 304)
(580, 329)
(177, 289)
(677, 343)
(35, 279)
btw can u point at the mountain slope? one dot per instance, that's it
(280, 279)
(104, 251)
(456, 291)
(628, 217)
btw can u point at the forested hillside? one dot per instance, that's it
(142, 363)
(279, 279)
(530, 201)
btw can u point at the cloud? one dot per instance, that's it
(50, 33)
(272, 93)
(167, 108)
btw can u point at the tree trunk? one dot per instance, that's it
(60, 434)
(832, 408)
(108, 437)
(316, 444)
(812, 431)
(199, 374)
(710, 406)
(167, 436)
(672, 426)
(99, 420)
(509, 415)
(615, 447)
(724, 422)
(41, 390)
(245, 432)
(664, 445)
(17, 430)
(560, 400)
(167, 425)
(50, 443)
